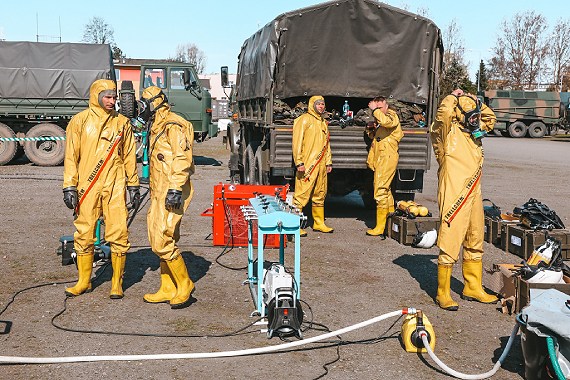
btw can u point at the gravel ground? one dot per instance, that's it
(347, 278)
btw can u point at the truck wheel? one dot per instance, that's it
(517, 129)
(8, 149)
(248, 166)
(45, 152)
(127, 104)
(261, 177)
(537, 129)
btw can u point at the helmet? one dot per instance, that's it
(425, 239)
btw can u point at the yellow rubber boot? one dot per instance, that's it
(473, 276)
(167, 290)
(84, 269)
(184, 286)
(319, 220)
(118, 264)
(381, 216)
(302, 232)
(443, 298)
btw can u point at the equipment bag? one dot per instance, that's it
(538, 216)
(492, 211)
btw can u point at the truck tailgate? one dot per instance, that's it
(349, 149)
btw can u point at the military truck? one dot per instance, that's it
(347, 51)
(532, 113)
(42, 85)
(180, 82)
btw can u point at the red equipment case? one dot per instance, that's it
(226, 212)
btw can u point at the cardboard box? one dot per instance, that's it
(403, 230)
(524, 294)
(503, 282)
(523, 241)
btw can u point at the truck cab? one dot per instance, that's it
(180, 82)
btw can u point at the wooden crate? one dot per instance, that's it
(524, 295)
(536, 239)
(493, 230)
(403, 230)
(523, 241)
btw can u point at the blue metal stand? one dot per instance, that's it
(273, 216)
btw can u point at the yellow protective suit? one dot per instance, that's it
(460, 159)
(383, 155)
(311, 148)
(171, 165)
(100, 161)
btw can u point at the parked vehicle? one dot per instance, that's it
(345, 51)
(180, 82)
(532, 113)
(42, 85)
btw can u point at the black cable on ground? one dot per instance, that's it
(239, 331)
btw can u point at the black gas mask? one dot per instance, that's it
(147, 108)
(472, 120)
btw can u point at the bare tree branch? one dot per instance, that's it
(190, 53)
(97, 31)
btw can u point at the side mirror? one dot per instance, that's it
(224, 76)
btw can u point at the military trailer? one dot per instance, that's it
(532, 113)
(348, 51)
(43, 85)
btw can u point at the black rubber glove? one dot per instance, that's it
(173, 200)
(70, 197)
(134, 197)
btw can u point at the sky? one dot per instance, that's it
(146, 29)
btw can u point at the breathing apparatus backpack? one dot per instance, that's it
(537, 216)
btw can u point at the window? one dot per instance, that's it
(177, 79)
(154, 77)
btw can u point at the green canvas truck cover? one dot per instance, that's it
(39, 70)
(346, 48)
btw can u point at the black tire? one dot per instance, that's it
(248, 166)
(260, 177)
(537, 129)
(127, 85)
(127, 104)
(517, 129)
(45, 152)
(8, 149)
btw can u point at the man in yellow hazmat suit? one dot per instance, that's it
(456, 134)
(383, 159)
(99, 168)
(171, 165)
(313, 159)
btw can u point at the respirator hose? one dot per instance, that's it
(460, 375)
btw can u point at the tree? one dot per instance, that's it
(97, 31)
(190, 53)
(454, 69)
(455, 76)
(519, 53)
(481, 77)
(559, 52)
